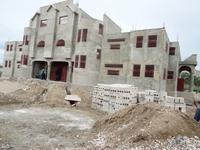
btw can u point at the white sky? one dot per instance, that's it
(180, 17)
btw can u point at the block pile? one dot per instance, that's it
(113, 97)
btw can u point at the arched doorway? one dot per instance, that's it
(59, 71)
(185, 79)
(40, 70)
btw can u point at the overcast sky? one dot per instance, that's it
(180, 17)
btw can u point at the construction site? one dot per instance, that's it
(35, 115)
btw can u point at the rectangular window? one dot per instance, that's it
(116, 40)
(113, 72)
(172, 50)
(101, 29)
(84, 36)
(43, 23)
(6, 63)
(152, 41)
(25, 60)
(7, 48)
(9, 64)
(98, 54)
(20, 49)
(11, 47)
(114, 65)
(149, 71)
(139, 42)
(79, 36)
(136, 70)
(26, 40)
(82, 61)
(115, 46)
(63, 19)
(170, 75)
(76, 61)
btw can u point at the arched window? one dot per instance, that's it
(60, 43)
(41, 44)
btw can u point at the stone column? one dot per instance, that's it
(191, 81)
(69, 72)
(48, 70)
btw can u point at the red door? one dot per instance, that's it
(180, 85)
(64, 73)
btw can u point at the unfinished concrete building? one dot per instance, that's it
(64, 43)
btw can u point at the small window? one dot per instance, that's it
(98, 54)
(9, 65)
(170, 75)
(114, 65)
(79, 36)
(149, 71)
(11, 47)
(41, 44)
(113, 72)
(82, 61)
(76, 61)
(20, 49)
(26, 40)
(60, 43)
(139, 42)
(43, 23)
(136, 70)
(152, 41)
(25, 60)
(115, 46)
(7, 48)
(84, 36)
(101, 29)
(63, 19)
(6, 63)
(172, 50)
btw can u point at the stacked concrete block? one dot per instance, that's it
(176, 103)
(152, 96)
(111, 98)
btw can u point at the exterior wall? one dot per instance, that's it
(128, 55)
(90, 74)
(18, 60)
(9, 56)
(95, 70)
(173, 66)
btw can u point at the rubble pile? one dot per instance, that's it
(142, 123)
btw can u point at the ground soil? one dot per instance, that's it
(34, 115)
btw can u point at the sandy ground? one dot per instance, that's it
(7, 86)
(43, 128)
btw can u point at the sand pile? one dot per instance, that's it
(55, 94)
(141, 123)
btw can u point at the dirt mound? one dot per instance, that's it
(55, 94)
(143, 123)
(84, 92)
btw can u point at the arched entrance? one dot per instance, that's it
(40, 70)
(185, 79)
(59, 71)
